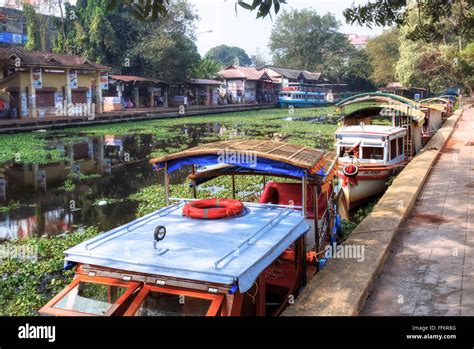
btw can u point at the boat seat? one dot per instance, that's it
(284, 193)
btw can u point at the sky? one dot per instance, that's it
(251, 34)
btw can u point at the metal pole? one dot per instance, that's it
(303, 196)
(264, 181)
(167, 185)
(316, 216)
(233, 187)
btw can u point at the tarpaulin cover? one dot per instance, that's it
(259, 164)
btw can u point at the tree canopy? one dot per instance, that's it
(307, 40)
(303, 39)
(228, 55)
(383, 52)
(373, 13)
(163, 48)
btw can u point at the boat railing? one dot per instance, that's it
(255, 204)
(128, 227)
(270, 223)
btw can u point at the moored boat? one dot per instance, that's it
(368, 157)
(214, 257)
(378, 151)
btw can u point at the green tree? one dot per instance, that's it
(163, 48)
(305, 40)
(205, 69)
(167, 55)
(466, 66)
(427, 65)
(228, 55)
(434, 17)
(383, 52)
(29, 13)
(358, 71)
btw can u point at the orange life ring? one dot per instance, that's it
(350, 170)
(213, 208)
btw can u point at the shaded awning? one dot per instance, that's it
(132, 78)
(259, 156)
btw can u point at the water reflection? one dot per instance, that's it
(62, 196)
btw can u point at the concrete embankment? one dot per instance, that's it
(341, 288)
(32, 124)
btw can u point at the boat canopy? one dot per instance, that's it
(250, 157)
(378, 97)
(433, 106)
(436, 100)
(231, 252)
(388, 110)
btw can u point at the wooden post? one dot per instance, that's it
(68, 96)
(233, 187)
(32, 95)
(167, 185)
(264, 181)
(151, 97)
(261, 301)
(136, 96)
(98, 94)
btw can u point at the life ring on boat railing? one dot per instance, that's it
(350, 170)
(213, 208)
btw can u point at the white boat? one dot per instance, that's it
(368, 157)
(382, 151)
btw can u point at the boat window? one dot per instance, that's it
(372, 153)
(393, 149)
(345, 151)
(87, 295)
(158, 301)
(91, 298)
(164, 304)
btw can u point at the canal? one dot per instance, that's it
(61, 181)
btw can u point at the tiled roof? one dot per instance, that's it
(290, 73)
(249, 73)
(358, 40)
(132, 78)
(310, 76)
(46, 59)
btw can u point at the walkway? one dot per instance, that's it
(430, 269)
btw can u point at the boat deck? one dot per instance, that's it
(222, 251)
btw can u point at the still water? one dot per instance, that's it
(92, 185)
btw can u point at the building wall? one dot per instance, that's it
(22, 80)
(13, 81)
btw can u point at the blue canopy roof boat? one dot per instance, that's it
(215, 257)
